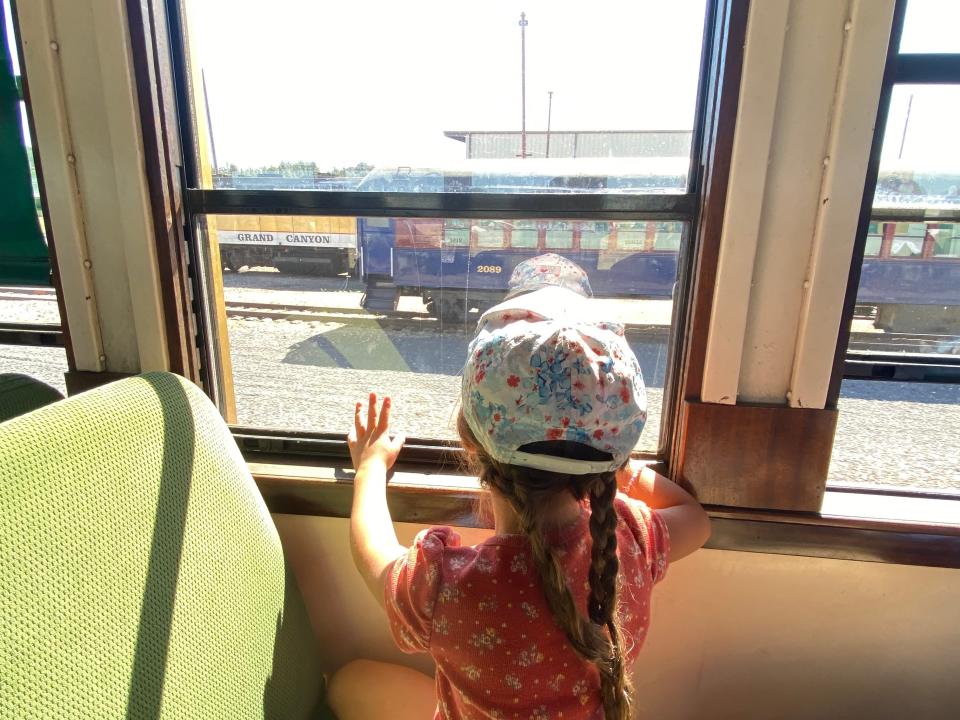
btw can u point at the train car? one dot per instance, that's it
(301, 244)
(911, 271)
(462, 266)
(298, 244)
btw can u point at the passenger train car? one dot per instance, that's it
(175, 479)
(910, 270)
(310, 245)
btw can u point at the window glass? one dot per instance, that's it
(559, 235)
(371, 126)
(909, 291)
(897, 434)
(32, 306)
(313, 326)
(524, 234)
(946, 238)
(594, 236)
(920, 160)
(490, 233)
(456, 233)
(930, 26)
(632, 235)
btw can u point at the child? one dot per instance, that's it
(544, 619)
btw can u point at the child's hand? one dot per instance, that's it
(371, 442)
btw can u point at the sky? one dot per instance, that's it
(379, 81)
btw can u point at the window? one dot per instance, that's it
(364, 219)
(906, 327)
(29, 317)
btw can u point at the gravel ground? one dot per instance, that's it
(898, 434)
(47, 364)
(307, 375)
(287, 381)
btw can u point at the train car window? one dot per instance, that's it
(901, 367)
(490, 233)
(359, 234)
(946, 239)
(456, 233)
(595, 236)
(559, 236)
(524, 234)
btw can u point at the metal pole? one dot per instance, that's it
(549, 113)
(206, 107)
(523, 85)
(906, 122)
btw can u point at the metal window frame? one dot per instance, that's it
(901, 69)
(681, 207)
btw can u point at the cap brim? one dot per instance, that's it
(552, 463)
(550, 302)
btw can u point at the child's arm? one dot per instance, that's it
(687, 522)
(372, 538)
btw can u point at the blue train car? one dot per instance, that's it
(463, 266)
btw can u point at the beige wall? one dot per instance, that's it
(734, 634)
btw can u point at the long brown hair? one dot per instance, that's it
(597, 638)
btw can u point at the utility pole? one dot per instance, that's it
(206, 106)
(523, 85)
(906, 123)
(549, 113)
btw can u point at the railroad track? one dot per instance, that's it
(400, 319)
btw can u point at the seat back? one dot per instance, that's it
(20, 394)
(141, 575)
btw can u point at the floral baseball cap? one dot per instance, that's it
(546, 270)
(530, 378)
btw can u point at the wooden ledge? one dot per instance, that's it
(417, 495)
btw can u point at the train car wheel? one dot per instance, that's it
(228, 260)
(451, 310)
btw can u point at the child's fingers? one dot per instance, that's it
(384, 416)
(372, 411)
(358, 428)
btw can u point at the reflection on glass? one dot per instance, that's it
(314, 325)
(318, 96)
(920, 161)
(930, 26)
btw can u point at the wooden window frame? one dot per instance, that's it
(302, 473)
(900, 69)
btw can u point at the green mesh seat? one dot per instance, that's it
(141, 575)
(21, 393)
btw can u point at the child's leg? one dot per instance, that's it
(365, 689)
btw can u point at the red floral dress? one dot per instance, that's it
(481, 613)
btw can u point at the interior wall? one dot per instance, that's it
(734, 634)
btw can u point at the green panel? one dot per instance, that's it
(141, 575)
(24, 259)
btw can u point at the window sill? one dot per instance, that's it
(420, 494)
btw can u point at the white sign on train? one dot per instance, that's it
(240, 237)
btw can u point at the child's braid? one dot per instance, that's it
(602, 605)
(525, 490)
